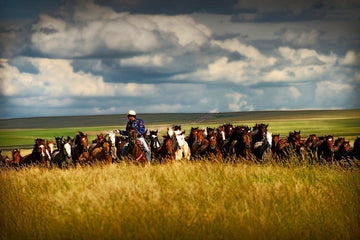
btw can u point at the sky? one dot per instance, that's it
(62, 58)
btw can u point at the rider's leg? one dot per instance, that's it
(124, 149)
(146, 147)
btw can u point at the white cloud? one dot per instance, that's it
(253, 54)
(100, 30)
(237, 102)
(294, 92)
(302, 38)
(157, 60)
(351, 58)
(57, 78)
(299, 56)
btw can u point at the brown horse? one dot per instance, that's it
(4, 160)
(200, 144)
(80, 153)
(326, 149)
(213, 148)
(40, 154)
(135, 152)
(355, 152)
(343, 151)
(102, 153)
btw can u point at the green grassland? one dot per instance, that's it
(340, 123)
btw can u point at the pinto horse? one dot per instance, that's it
(179, 144)
(80, 153)
(135, 152)
(62, 158)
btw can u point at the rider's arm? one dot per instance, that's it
(140, 127)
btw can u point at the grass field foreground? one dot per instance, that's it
(181, 200)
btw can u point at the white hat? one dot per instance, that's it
(132, 113)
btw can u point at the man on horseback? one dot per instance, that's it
(138, 124)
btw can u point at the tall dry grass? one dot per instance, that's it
(181, 200)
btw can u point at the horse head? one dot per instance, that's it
(16, 156)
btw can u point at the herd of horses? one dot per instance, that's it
(224, 142)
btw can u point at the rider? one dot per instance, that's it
(138, 124)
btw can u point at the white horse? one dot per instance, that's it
(112, 140)
(180, 146)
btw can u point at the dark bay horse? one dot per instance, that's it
(259, 141)
(355, 152)
(342, 151)
(240, 142)
(80, 153)
(135, 152)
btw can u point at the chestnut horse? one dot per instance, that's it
(40, 154)
(102, 153)
(4, 160)
(213, 148)
(326, 149)
(199, 144)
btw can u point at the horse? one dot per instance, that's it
(355, 152)
(155, 145)
(16, 158)
(40, 154)
(4, 160)
(179, 144)
(97, 142)
(102, 153)
(80, 153)
(213, 148)
(135, 152)
(200, 144)
(240, 142)
(113, 148)
(342, 151)
(326, 149)
(50, 146)
(62, 158)
(260, 140)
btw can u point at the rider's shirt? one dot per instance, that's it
(138, 124)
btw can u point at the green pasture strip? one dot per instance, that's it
(340, 123)
(181, 200)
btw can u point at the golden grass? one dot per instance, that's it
(181, 200)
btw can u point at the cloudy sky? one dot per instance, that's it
(108, 56)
